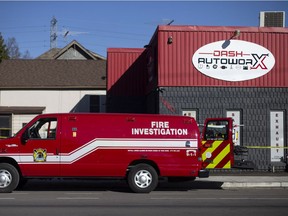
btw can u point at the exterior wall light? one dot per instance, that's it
(236, 33)
(170, 40)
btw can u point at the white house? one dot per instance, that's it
(71, 79)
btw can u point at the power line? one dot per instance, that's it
(117, 23)
(20, 27)
(101, 34)
(107, 31)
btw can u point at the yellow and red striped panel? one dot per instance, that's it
(218, 155)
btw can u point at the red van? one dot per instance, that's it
(137, 147)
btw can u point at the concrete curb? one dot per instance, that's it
(228, 185)
(230, 182)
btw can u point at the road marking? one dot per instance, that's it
(16, 193)
(244, 198)
(189, 198)
(88, 193)
(7, 198)
(77, 198)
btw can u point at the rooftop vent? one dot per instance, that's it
(272, 19)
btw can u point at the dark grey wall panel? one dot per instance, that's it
(255, 105)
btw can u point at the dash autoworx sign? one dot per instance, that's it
(233, 60)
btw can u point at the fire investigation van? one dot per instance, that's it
(140, 148)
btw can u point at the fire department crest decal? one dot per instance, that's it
(40, 155)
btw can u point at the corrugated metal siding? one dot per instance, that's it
(175, 66)
(126, 72)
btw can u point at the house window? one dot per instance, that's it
(5, 126)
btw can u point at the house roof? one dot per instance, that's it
(57, 53)
(49, 54)
(52, 74)
(21, 110)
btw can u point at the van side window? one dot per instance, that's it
(43, 129)
(216, 130)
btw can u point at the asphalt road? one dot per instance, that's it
(114, 198)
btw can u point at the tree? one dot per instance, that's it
(26, 55)
(13, 48)
(10, 49)
(3, 49)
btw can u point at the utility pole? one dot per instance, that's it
(53, 33)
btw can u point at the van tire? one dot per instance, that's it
(9, 178)
(142, 178)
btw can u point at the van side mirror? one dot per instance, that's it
(24, 137)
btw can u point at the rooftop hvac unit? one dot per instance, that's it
(272, 19)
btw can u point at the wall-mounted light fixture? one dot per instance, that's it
(170, 40)
(236, 33)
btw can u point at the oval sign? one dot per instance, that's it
(233, 60)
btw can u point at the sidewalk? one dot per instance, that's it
(256, 181)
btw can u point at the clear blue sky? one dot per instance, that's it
(99, 25)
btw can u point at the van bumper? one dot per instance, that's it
(203, 174)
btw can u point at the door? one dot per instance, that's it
(39, 151)
(217, 143)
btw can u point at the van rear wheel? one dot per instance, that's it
(142, 178)
(9, 178)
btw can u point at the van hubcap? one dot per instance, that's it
(5, 178)
(143, 179)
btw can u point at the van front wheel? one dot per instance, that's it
(9, 178)
(142, 178)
